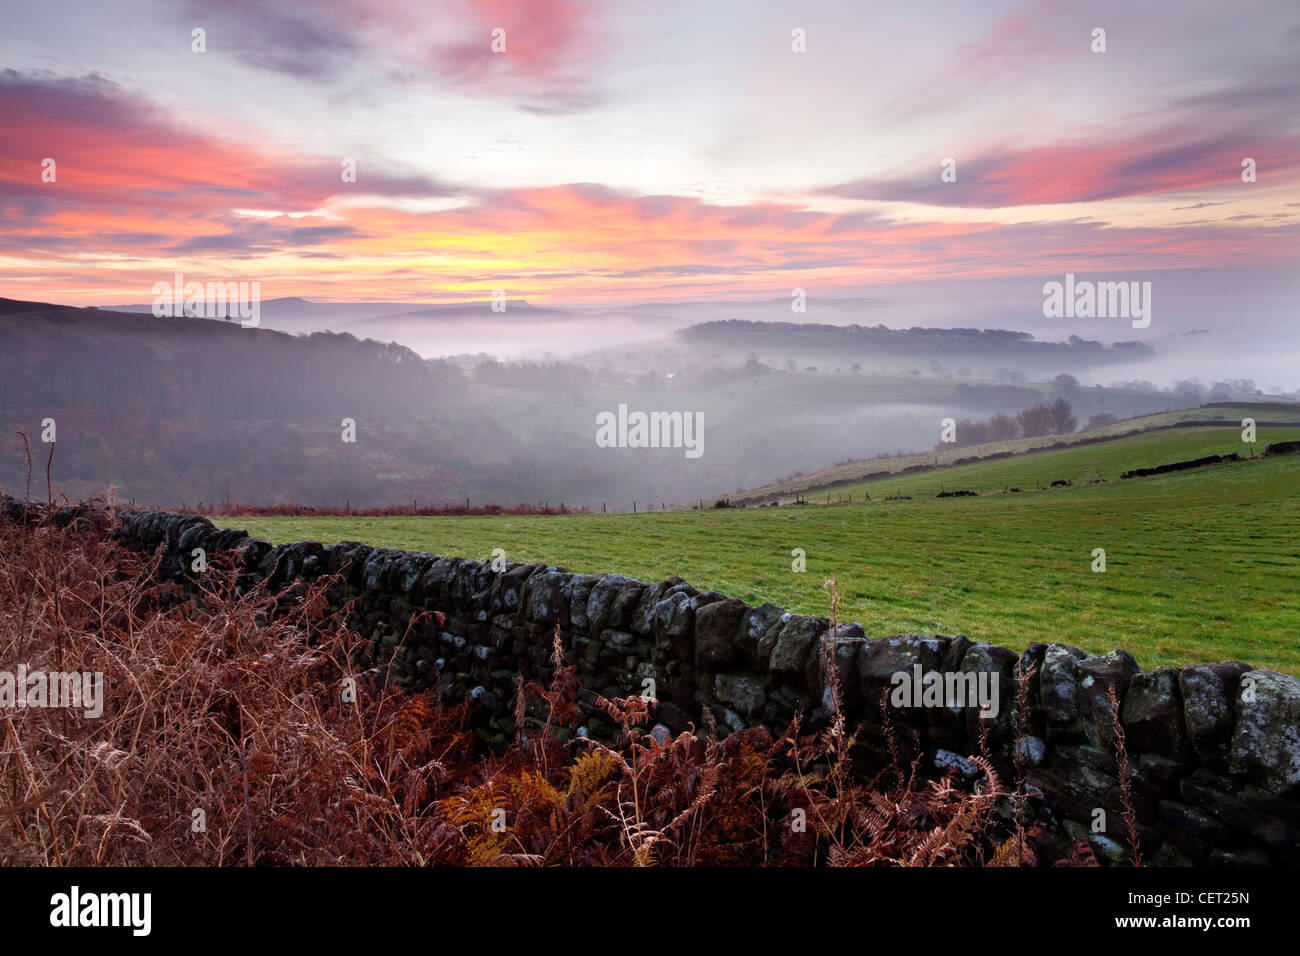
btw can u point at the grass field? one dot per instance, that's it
(1201, 565)
(1147, 428)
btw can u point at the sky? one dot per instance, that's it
(619, 152)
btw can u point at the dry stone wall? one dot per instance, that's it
(1213, 749)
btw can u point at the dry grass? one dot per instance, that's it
(228, 738)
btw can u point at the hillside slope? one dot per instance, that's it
(846, 477)
(1200, 565)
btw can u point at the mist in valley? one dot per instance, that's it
(1207, 325)
(461, 400)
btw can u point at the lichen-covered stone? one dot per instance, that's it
(1097, 676)
(1209, 708)
(1266, 738)
(1059, 684)
(794, 641)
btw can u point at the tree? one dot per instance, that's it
(855, 368)
(1035, 421)
(971, 433)
(1100, 420)
(1002, 428)
(1062, 417)
(1066, 383)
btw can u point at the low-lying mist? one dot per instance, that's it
(503, 407)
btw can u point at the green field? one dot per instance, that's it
(1147, 449)
(1201, 565)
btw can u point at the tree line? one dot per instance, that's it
(1045, 418)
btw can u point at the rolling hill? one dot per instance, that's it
(1200, 564)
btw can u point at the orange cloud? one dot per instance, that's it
(138, 198)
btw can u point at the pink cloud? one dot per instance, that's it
(1087, 171)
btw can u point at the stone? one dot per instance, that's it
(755, 626)
(965, 771)
(1059, 685)
(1266, 737)
(413, 570)
(580, 586)
(255, 549)
(643, 613)
(623, 606)
(880, 660)
(1031, 751)
(1209, 708)
(1191, 822)
(848, 641)
(513, 584)
(1156, 769)
(677, 720)
(672, 619)
(999, 662)
(437, 580)
(1152, 715)
(1097, 675)
(544, 592)
(744, 691)
(1103, 847)
(797, 636)
(1219, 798)
(603, 593)
(618, 638)
(958, 645)
(1083, 755)
(716, 629)
(1271, 804)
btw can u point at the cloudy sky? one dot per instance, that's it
(629, 152)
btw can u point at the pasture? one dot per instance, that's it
(1201, 565)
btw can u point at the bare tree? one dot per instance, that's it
(1062, 417)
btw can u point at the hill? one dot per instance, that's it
(1200, 564)
(877, 345)
(176, 411)
(947, 466)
